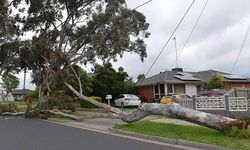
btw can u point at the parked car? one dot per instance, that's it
(168, 99)
(212, 93)
(124, 100)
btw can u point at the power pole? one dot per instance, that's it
(24, 80)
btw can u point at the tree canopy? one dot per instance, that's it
(64, 33)
(109, 81)
(9, 82)
(216, 82)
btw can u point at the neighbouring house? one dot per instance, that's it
(18, 94)
(179, 82)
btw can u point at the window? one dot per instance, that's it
(162, 90)
(156, 92)
(179, 88)
(170, 89)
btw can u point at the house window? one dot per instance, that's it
(162, 90)
(157, 96)
(179, 88)
(170, 88)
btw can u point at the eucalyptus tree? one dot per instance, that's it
(9, 33)
(77, 31)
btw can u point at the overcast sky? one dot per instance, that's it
(214, 44)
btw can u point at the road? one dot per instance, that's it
(32, 134)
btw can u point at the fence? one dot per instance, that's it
(226, 106)
(220, 103)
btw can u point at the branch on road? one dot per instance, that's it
(13, 114)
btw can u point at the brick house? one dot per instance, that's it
(179, 82)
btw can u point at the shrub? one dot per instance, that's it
(85, 104)
(238, 133)
(34, 94)
(143, 99)
(8, 107)
(59, 101)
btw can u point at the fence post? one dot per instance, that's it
(235, 92)
(248, 95)
(227, 105)
(193, 100)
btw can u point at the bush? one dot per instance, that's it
(34, 94)
(85, 104)
(59, 101)
(238, 133)
(8, 107)
(143, 99)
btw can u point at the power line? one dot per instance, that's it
(169, 39)
(189, 36)
(142, 4)
(242, 46)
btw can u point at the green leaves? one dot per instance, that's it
(10, 82)
(215, 82)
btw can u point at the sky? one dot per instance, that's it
(214, 44)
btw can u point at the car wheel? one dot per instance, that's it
(122, 105)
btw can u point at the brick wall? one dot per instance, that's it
(147, 92)
(229, 85)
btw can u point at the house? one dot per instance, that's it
(179, 82)
(18, 94)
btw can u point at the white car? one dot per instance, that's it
(124, 100)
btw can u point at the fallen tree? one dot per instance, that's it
(174, 110)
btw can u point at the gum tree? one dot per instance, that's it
(77, 31)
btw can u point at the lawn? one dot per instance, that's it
(21, 105)
(189, 133)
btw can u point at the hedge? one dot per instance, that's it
(85, 104)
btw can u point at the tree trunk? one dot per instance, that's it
(43, 93)
(43, 90)
(213, 121)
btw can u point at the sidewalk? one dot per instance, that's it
(105, 124)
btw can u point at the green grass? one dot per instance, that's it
(97, 110)
(21, 105)
(189, 133)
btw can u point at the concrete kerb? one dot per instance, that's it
(171, 141)
(154, 139)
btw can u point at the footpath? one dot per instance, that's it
(104, 125)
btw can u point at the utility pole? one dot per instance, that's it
(176, 52)
(24, 80)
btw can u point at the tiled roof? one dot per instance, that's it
(170, 77)
(20, 91)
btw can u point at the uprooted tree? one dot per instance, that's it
(80, 31)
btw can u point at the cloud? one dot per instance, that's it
(214, 44)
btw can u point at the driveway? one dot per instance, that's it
(32, 134)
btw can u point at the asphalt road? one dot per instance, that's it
(32, 134)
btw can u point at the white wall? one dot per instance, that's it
(191, 89)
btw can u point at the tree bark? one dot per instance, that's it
(174, 110)
(59, 113)
(43, 90)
